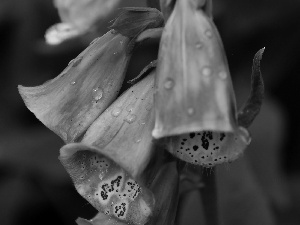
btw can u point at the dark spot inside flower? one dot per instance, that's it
(192, 135)
(222, 136)
(195, 147)
(202, 157)
(182, 143)
(184, 139)
(205, 142)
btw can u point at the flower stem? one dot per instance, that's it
(209, 197)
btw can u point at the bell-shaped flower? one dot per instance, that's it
(194, 86)
(106, 185)
(208, 148)
(123, 131)
(69, 103)
(78, 17)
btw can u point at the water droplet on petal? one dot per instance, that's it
(116, 112)
(137, 141)
(169, 83)
(130, 118)
(208, 33)
(97, 93)
(206, 71)
(223, 75)
(129, 108)
(149, 106)
(191, 111)
(73, 82)
(71, 62)
(93, 41)
(76, 61)
(198, 45)
(245, 136)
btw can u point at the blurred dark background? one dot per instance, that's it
(34, 187)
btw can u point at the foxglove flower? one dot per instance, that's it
(69, 103)
(78, 17)
(108, 187)
(209, 148)
(194, 86)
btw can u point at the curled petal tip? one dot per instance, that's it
(106, 185)
(193, 81)
(251, 108)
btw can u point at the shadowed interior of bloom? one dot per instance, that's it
(106, 185)
(195, 91)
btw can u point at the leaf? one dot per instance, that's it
(195, 91)
(209, 148)
(69, 103)
(123, 131)
(134, 20)
(106, 185)
(252, 106)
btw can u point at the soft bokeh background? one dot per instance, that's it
(261, 188)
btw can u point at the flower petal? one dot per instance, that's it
(84, 14)
(69, 103)
(60, 32)
(106, 185)
(134, 20)
(209, 148)
(194, 86)
(123, 131)
(100, 219)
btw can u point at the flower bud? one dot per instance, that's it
(106, 185)
(194, 86)
(69, 103)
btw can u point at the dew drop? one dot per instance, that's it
(71, 62)
(76, 61)
(208, 33)
(97, 93)
(116, 112)
(137, 141)
(93, 41)
(206, 71)
(130, 118)
(198, 45)
(169, 83)
(148, 106)
(223, 75)
(73, 82)
(129, 108)
(191, 111)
